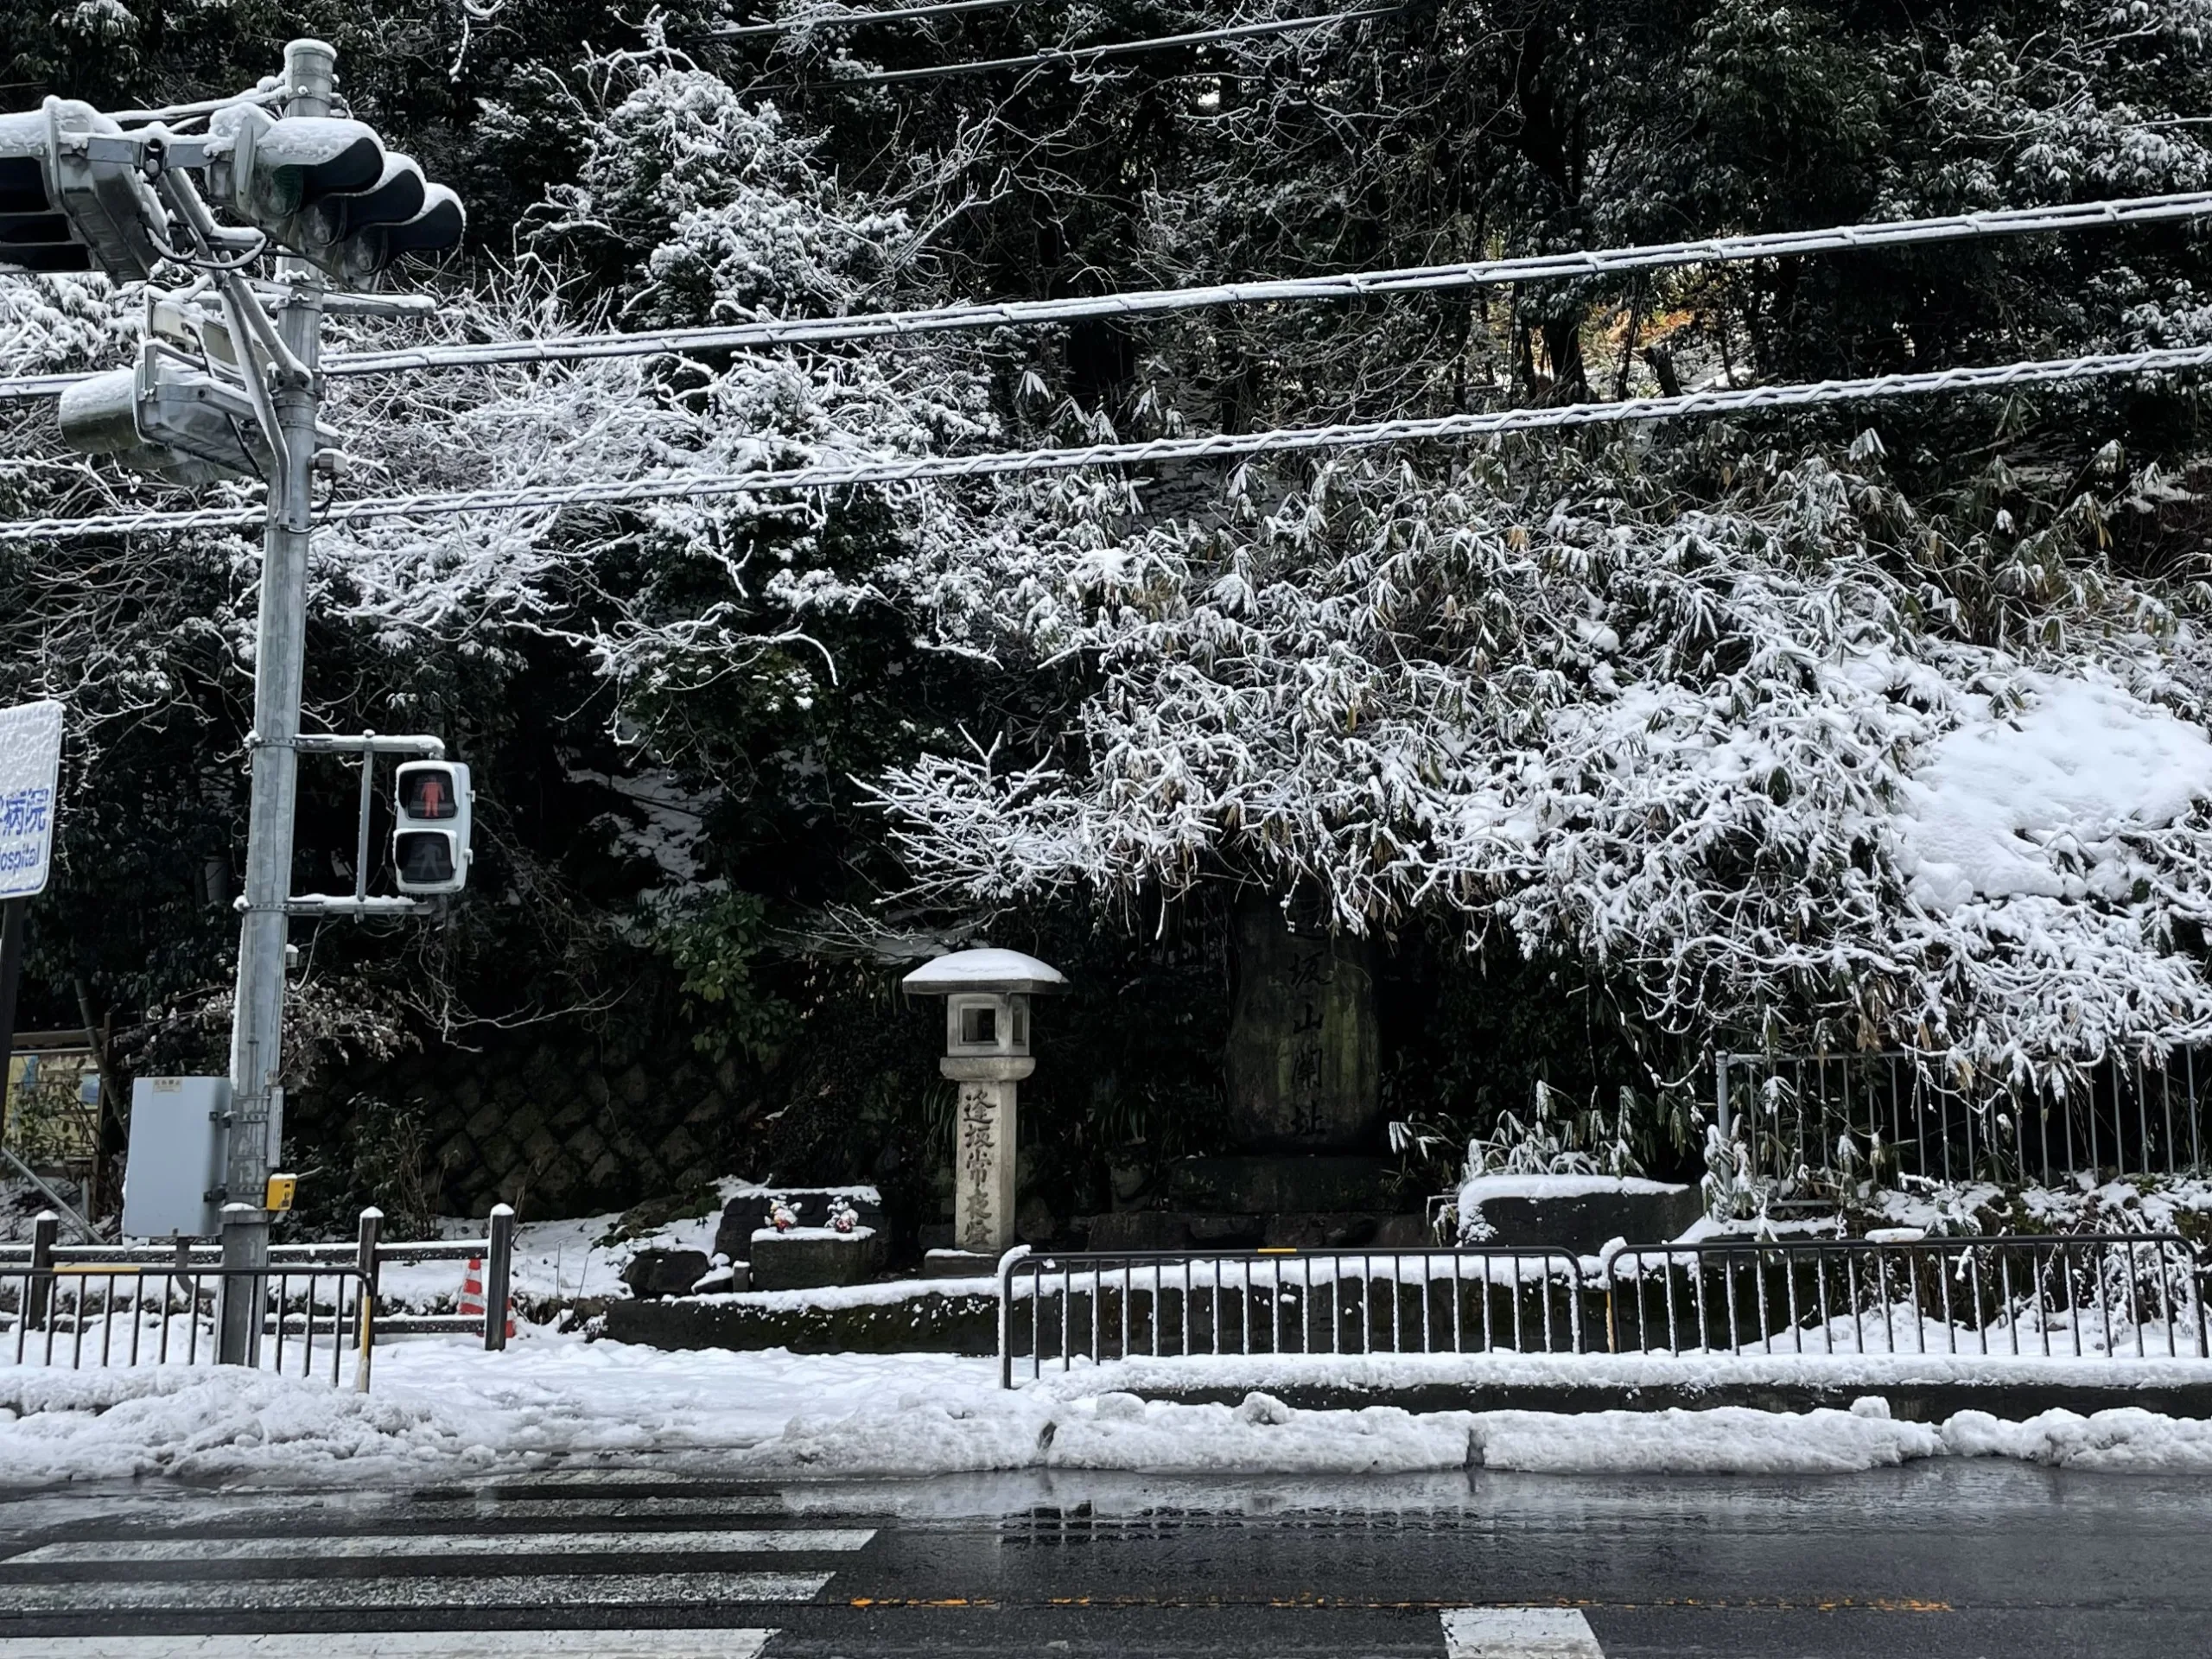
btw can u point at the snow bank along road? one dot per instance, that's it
(1932, 1560)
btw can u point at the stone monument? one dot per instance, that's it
(987, 1053)
(1304, 1062)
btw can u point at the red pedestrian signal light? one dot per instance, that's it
(430, 842)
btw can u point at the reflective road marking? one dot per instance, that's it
(522, 1590)
(359, 1546)
(1519, 1633)
(410, 1644)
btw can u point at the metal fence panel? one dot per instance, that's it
(1890, 1114)
(2107, 1296)
(75, 1315)
(1099, 1306)
(111, 1313)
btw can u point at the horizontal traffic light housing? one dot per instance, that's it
(326, 190)
(169, 417)
(71, 197)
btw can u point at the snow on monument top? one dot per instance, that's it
(1001, 971)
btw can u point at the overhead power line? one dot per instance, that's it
(1113, 49)
(707, 487)
(1603, 262)
(849, 19)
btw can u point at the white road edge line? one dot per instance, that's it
(1519, 1633)
(439, 1545)
(402, 1644)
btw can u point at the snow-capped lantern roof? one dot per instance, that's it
(1007, 973)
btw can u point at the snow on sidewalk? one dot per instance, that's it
(442, 1410)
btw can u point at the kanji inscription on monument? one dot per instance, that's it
(1303, 1049)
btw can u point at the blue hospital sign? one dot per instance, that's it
(31, 772)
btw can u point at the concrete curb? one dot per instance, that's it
(1915, 1402)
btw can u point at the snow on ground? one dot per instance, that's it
(568, 1260)
(442, 1409)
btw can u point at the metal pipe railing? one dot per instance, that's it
(2081, 1295)
(1902, 1116)
(2056, 1296)
(77, 1315)
(44, 1269)
(1116, 1304)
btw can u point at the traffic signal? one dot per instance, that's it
(73, 196)
(429, 844)
(166, 416)
(326, 189)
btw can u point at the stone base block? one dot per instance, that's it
(948, 1263)
(747, 1213)
(654, 1274)
(965, 1322)
(811, 1260)
(1578, 1214)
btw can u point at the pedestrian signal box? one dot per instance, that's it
(429, 844)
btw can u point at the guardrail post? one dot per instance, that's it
(365, 1298)
(38, 1288)
(498, 1271)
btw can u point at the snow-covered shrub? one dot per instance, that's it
(1793, 759)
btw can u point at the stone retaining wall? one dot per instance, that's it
(558, 1124)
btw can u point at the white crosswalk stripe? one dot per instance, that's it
(1519, 1633)
(406, 1644)
(372, 1546)
(507, 1548)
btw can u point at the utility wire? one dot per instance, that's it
(1112, 48)
(849, 19)
(798, 331)
(707, 487)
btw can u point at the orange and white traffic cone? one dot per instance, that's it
(472, 1293)
(471, 1287)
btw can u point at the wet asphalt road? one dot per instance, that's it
(1929, 1561)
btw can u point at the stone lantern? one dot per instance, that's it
(987, 1053)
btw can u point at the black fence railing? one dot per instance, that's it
(2070, 1296)
(2077, 1296)
(1811, 1121)
(1105, 1306)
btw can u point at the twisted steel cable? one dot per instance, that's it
(2012, 221)
(705, 486)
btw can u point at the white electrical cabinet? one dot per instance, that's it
(178, 1146)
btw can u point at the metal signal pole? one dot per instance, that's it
(258, 1020)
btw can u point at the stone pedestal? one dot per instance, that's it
(982, 1151)
(1304, 1058)
(812, 1258)
(958, 1264)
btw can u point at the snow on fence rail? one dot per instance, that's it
(124, 1305)
(1893, 1113)
(1118, 1305)
(2085, 1295)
